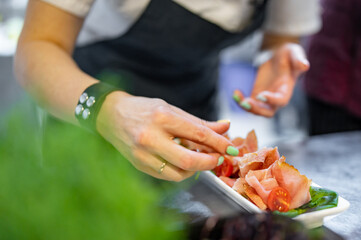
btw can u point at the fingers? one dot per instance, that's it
(259, 108)
(152, 165)
(266, 103)
(195, 146)
(193, 129)
(238, 96)
(184, 158)
(158, 140)
(278, 98)
(299, 60)
(197, 132)
(262, 106)
(299, 67)
(161, 144)
(220, 127)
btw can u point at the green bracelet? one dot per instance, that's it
(90, 102)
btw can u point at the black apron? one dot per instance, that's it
(169, 53)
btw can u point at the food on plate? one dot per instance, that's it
(225, 169)
(265, 171)
(265, 178)
(279, 199)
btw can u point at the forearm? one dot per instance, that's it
(51, 76)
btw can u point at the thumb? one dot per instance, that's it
(299, 61)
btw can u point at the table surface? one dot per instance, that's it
(332, 161)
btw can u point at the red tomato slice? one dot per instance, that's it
(225, 169)
(279, 199)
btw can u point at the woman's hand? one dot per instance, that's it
(143, 129)
(275, 81)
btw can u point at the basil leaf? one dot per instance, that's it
(321, 198)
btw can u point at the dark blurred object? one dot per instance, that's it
(327, 118)
(252, 226)
(333, 83)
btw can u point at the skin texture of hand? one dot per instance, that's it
(275, 81)
(143, 129)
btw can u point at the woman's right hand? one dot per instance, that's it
(143, 129)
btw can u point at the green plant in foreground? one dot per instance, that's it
(71, 184)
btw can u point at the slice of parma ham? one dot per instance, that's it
(257, 160)
(265, 170)
(262, 181)
(243, 188)
(296, 184)
(246, 145)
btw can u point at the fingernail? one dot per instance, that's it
(224, 121)
(261, 98)
(245, 105)
(232, 151)
(236, 98)
(220, 160)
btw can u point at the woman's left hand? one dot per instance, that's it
(275, 81)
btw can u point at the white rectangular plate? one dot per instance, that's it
(311, 219)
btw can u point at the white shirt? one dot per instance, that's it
(107, 19)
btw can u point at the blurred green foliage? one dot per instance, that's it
(67, 183)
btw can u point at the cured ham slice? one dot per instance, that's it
(243, 188)
(252, 161)
(243, 150)
(262, 181)
(247, 145)
(229, 181)
(269, 183)
(254, 197)
(296, 184)
(238, 186)
(271, 157)
(251, 141)
(257, 160)
(238, 141)
(240, 144)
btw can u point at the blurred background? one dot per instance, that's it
(236, 72)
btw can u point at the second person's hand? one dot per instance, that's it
(275, 81)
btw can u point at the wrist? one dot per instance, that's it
(110, 110)
(90, 103)
(274, 41)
